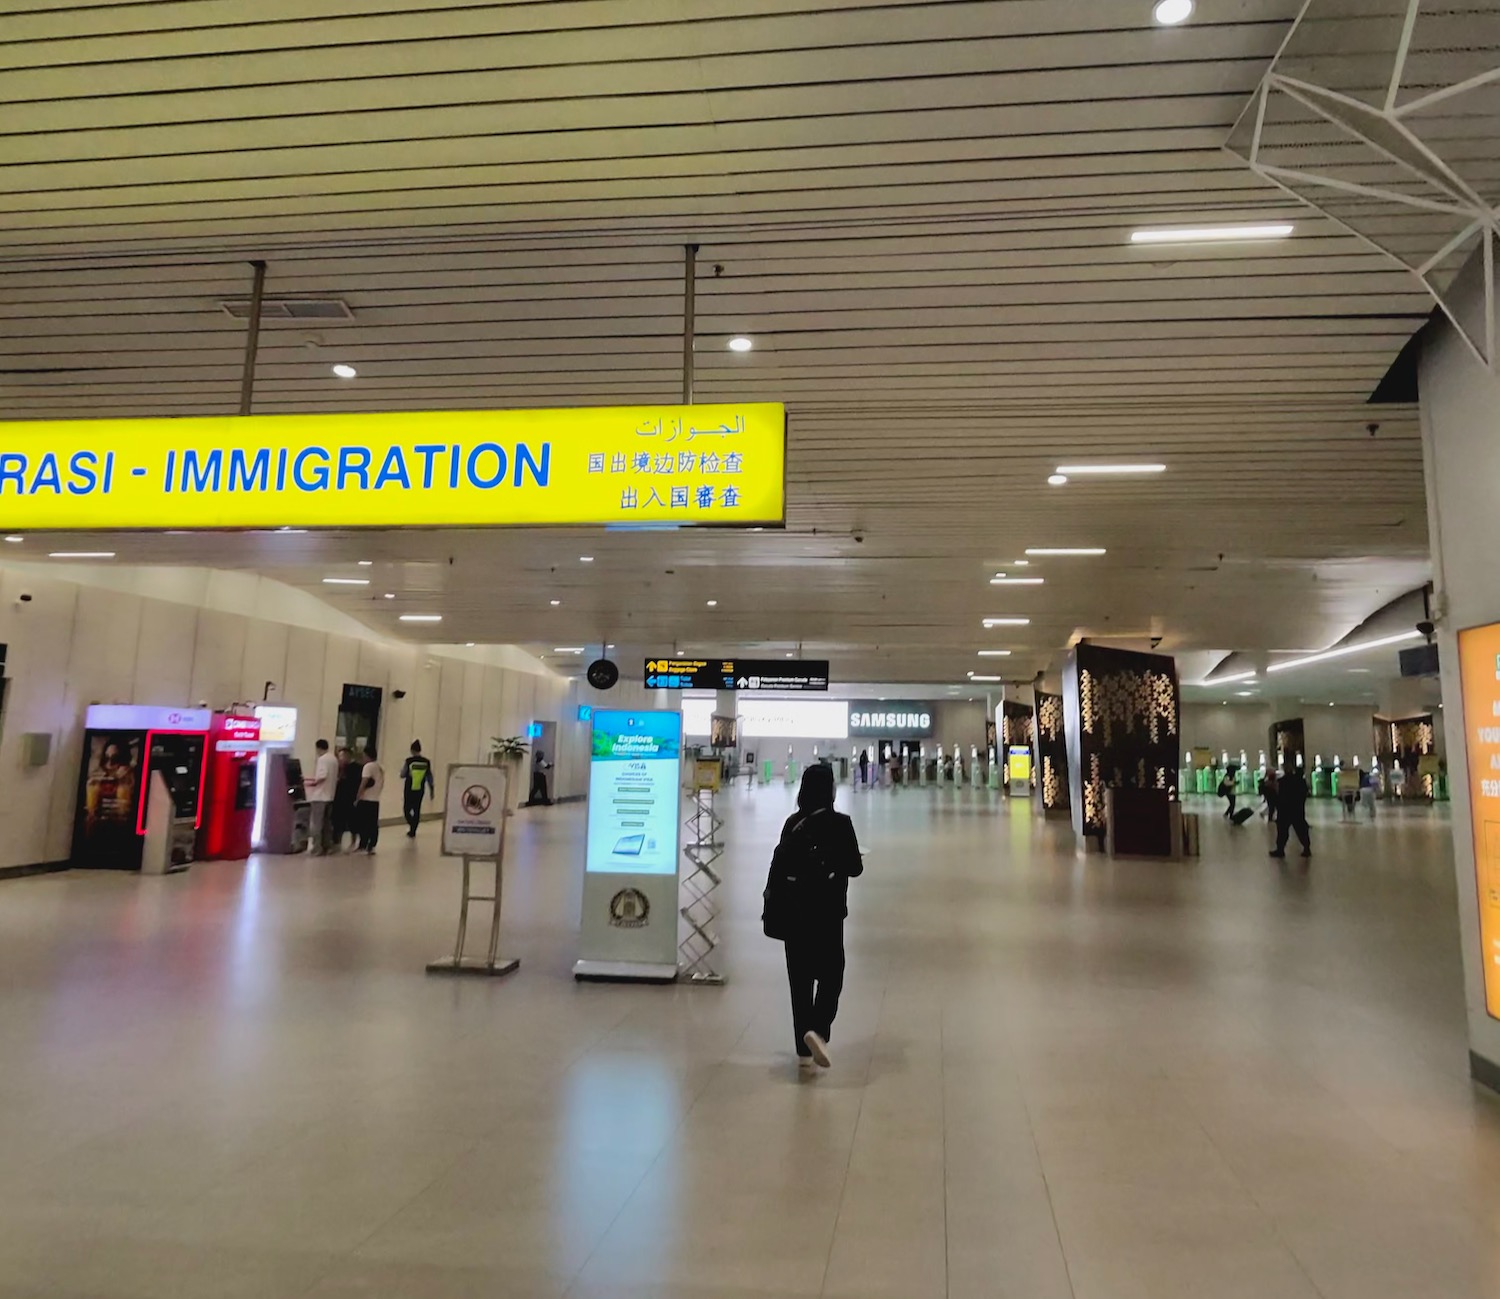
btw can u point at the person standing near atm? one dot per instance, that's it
(416, 780)
(367, 809)
(321, 787)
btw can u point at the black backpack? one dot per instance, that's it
(801, 884)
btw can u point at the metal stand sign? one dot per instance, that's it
(698, 909)
(476, 806)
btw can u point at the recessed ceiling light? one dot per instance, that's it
(15, 539)
(1342, 651)
(1065, 550)
(739, 343)
(712, 604)
(345, 371)
(585, 559)
(994, 654)
(390, 595)
(81, 554)
(554, 603)
(1056, 480)
(1168, 13)
(1001, 580)
(609, 646)
(567, 649)
(790, 654)
(366, 563)
(1007, 622)
(1212, 234)
(468, 644)
(1244, 694)
(346, 581)
(421, 617)
(1020, 563)
(1110, 469)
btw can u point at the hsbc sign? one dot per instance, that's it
(896, 719)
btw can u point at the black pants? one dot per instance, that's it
(367, 823)
(815, 974)
(539, 796)
(1229, 811)
(1287, 820)
(412, 807)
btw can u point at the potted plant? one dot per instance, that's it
(508, 750)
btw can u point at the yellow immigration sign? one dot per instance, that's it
(653, 466)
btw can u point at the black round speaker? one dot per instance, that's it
(603, 674)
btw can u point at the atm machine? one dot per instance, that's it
(282, 811)
(229, 797)
(124, 746)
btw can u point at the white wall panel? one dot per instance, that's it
(218, 658)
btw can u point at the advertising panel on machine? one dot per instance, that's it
(1479, 673)
(721, 465)
(634, 776)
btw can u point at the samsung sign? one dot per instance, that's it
(891, 719)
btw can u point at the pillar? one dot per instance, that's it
(1460, 413)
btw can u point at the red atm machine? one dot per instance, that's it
(229, 796)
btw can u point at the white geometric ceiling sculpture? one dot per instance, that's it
(1384, 115)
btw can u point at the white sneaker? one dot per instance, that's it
(806, 1064)
(819, 1049)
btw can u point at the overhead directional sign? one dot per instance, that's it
(642, 465)
(736, 674)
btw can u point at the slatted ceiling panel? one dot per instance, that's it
(922, 212)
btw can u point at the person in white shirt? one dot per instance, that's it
(320, 790)
(367, 807)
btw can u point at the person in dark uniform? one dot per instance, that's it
(539, 796)
(1291, 812)
(815, 939)
(416, 780)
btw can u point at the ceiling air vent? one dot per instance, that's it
(291, 308)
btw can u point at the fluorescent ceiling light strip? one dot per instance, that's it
(1017, 581)
(1343, 651)
(1211, 234)
(1007, 622)
(1142, 468)
(1229, 680)
(346, 581)
(994, 654)
(81, 554)
(973, 676)
(1065, 550)
(421, 617)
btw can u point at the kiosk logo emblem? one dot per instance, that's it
(476, 800)
(629, 909)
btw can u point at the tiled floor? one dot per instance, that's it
(1053, 1078)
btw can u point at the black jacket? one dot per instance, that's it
(1291, 792)
(834, 833)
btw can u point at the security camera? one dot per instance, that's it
(398, 694)
(859, 538)
(1425, 627)
(24, 597)
(1155, 641)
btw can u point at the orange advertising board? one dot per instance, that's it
(1479, 670)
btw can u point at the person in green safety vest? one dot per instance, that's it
(416, 780)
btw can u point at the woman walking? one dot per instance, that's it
(807, 900)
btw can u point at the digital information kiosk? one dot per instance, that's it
(629, 924)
